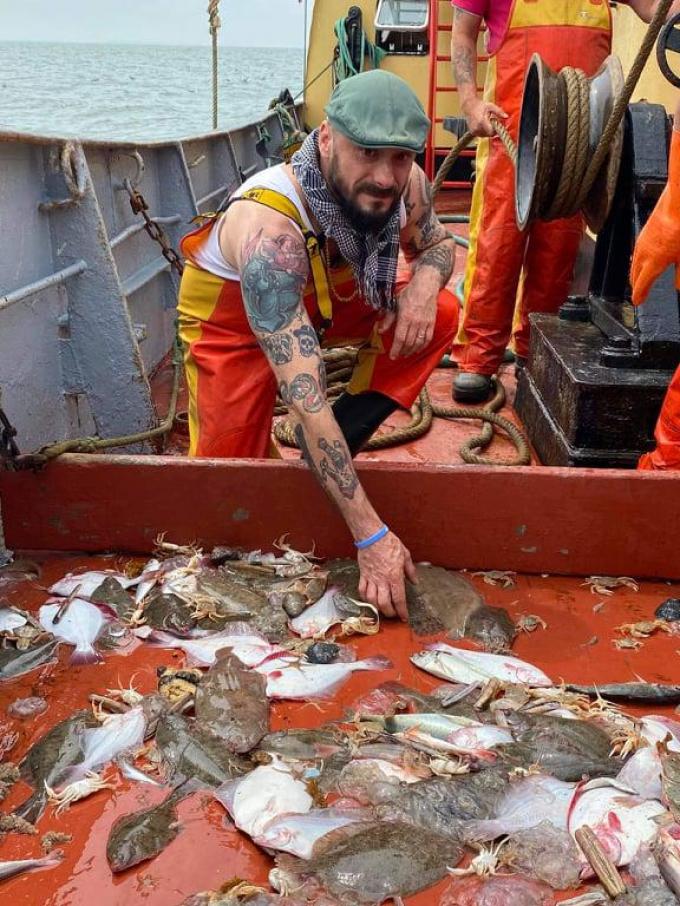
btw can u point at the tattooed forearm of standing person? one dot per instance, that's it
(274, 270)
(426, 243)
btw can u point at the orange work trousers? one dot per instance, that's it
(232, 389)
(666, 454)
(573, 33)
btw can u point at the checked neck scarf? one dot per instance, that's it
(372, 256)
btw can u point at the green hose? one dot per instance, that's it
(343, 66)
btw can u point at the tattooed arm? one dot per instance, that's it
(274, 268)
(431, 250)
(464, 61)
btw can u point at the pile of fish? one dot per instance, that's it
(488, 780)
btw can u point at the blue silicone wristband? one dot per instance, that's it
(367, 542)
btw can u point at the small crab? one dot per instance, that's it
(529, 622)
(448, 767)
(484, 864)
(167, 547)
(621, 644)
(364, 624)
(80, 789)
(559, 697)
(626, 740)
(644, 628)
(126, 694)
(504, 578)
(605, 585)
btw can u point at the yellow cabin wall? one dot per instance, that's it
(414, 69)
(628, 34)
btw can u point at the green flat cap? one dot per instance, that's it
(377, 109)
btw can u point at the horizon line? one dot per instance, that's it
(152, 44)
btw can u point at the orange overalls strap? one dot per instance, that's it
(280, 203)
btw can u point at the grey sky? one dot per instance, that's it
(246, 23)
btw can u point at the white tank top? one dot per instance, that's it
(210, 256)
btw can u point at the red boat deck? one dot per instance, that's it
(554, 526)
(576, 646)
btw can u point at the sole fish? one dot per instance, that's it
(231, 702)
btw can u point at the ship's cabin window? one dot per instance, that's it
(401, 26)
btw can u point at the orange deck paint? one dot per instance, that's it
(576, 646)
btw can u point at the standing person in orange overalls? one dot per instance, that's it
(658, 248)
(310, 248)
(574, 33)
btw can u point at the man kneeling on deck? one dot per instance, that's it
(310, 251)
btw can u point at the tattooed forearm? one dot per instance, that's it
(304, 388)
(308, 343)
(304, 449)
(278, 347)
(464, 65)
(440, 258)
(337, 465)
(273, 275)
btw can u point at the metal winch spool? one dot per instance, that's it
(562, 120)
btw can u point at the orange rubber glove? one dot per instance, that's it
(658, 245)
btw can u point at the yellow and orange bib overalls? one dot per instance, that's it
(232, 389)
(573, 33)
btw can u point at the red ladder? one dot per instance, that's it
(440, 95)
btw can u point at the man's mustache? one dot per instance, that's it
(376, 191)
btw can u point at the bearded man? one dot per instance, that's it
(306, 255)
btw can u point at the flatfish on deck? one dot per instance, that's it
(191, 751)
(231, 702)
(380, 862)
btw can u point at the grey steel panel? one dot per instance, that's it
(81, 281)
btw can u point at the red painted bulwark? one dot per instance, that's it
(530, 520)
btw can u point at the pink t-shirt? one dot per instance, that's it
(495, 14)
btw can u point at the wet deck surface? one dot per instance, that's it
(577, 646)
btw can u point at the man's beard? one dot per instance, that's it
(362, 221)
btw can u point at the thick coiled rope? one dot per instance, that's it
(340, 364)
